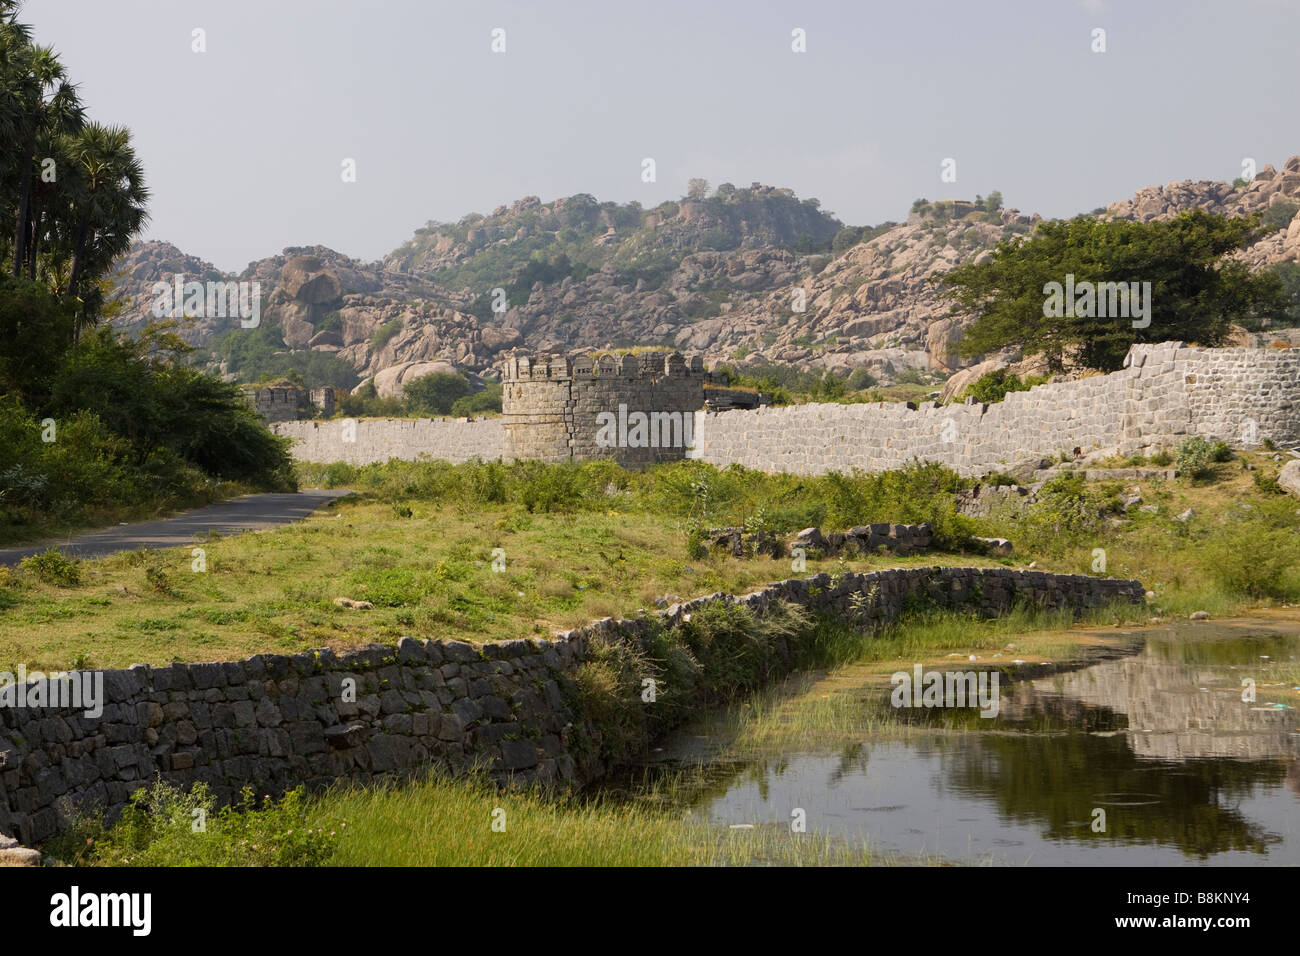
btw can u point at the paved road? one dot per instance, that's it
(236, 516)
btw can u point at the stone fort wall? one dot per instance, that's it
(554, 409)
(283, 403)
(365, 440)
(1165, 393)
(274, 721)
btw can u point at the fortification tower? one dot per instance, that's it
(636, 409)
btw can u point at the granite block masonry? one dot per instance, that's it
(274, 722)
(1164, 394)
(561, 409)
(552, 411)
(362, 441)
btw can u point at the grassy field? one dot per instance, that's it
(428, 575)
(418, 542)
(579, 542)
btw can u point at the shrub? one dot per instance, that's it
(480, 403)
(157, 828)
(1068, 510)
(1268, 484)
(382, 335)
(860, 379)
(996, 385)
(158, 580)
(435, 394)
(1195, 458)
(51, 567)
(1279, 215)
(1257, 552)
(738, 650)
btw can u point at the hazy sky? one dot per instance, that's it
(243, 144)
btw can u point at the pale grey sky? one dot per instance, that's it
(243, 144)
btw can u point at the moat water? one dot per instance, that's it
(1147, 757)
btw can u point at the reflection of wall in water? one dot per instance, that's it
(1171, 718)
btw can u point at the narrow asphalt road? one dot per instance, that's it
(249, 513)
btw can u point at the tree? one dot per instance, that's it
(73, 191)
(697, 188)
(994, 202)
(47, 106)
(846, 238)
(105, 200)
(1195, 293)
(435, 394)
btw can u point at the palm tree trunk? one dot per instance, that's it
(74, 274)
(24, 206)
(35, 245)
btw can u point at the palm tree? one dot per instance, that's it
(14, 41)
(49, 106)
(103, 207)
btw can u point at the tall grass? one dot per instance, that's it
(688, 491)
(436, 821)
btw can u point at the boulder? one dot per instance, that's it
(391, 382)
(494, 339)
(303, 279)
(998, 547)
(1289, 477)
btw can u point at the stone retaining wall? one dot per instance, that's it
(276, 721)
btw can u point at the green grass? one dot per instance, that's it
(433, 821)
(593, 540)
(429, 575)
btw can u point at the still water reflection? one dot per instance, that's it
(1159, 739)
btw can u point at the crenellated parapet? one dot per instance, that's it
(635, 408)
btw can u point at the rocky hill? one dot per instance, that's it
(745, 275)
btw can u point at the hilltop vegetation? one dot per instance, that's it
(1169, 280)
(753, 277)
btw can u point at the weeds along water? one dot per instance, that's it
(645, 819)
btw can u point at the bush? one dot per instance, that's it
(738, 650)
(1268, 484)
(860, 379)
(157, 828)
(159, 405)
(1279, 215)
(384, 334)
(51, 567)
(996, 385)
(1256, 553)
(480, 403)
(1068, 512)
(1195, 458)
(435, 394)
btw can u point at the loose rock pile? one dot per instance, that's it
(863, 539)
